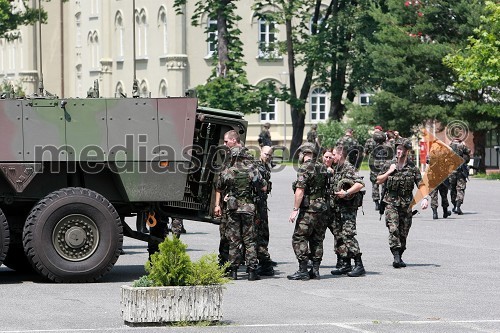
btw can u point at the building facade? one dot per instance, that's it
(89, 40)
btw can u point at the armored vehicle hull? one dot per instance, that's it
(71, 170)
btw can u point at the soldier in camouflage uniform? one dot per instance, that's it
(458, 178)
(353, 148)
(236, 185)
(312, 135)
(438, 168)
(231, 139)
(400, 177)
(345, 198)
(261, 217)
(380, 153)
(308, 212)
(265, 136)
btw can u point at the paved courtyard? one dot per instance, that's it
(451, 284)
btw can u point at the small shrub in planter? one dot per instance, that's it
(175, 288)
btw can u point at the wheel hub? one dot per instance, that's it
(75, 237)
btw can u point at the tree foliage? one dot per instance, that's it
(11, 18)
(227, 87)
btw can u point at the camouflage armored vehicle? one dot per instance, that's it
(71, 170)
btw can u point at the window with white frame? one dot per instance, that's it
(162, 24)
(144, 90)
(119, 91)
(211, 36)
(364, 99)
(318, 105)
(141, 23)
(119, 31)
(78, 29)
(267, 39)
(269, 115)
(93, 41)
(94, 7)
(318, 24)
(162, 91)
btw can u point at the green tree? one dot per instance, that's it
(228, 86)
(477, 87)
(411, 82)
(13, 16)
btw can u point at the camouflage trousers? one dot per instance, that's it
(342, 224)
(262, 230)
(308, 236)
(375, 187)
(457, 188)
(176, 227)
(443, 192)
(240, 232)
(398, 221)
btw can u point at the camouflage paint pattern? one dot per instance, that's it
(398, 220)
(457, 188)
(343, 227)
(176, 226)
(308, 236)
(442, 189)
(241, 234)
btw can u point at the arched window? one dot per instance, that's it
(318, 105)
(162, 24)
(119, 34)
(267, 39)
(141, 23)
(162, 91)
(143, 89)
(93, 41)
(119, 91)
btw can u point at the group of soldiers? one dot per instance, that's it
(327, 194)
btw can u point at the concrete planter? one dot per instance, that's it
(148, 305)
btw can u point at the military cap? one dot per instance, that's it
(406, 143)
(308, 147)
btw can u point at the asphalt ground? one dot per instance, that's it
(451, 283)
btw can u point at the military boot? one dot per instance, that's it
(339, 261)
(446, 212)
(233, 273)
(458, 210)
(252, 275)
(376, 205)
(434, 213)
(301, 274)
(265, 268)
(402, 263)
(454, 210)
(314, 271)
(358, 269)
(397, 258)
(346, 267)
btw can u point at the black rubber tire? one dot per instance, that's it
(73, 235)
(16, 258)
(4, 237)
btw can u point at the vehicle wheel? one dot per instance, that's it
(73, 235)
(4, 237)
(16, 258)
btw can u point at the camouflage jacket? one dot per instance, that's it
(342, 173)
(265, 172)
(312, 177)
(227, 184)
(265, 138)
(369, 146)
(400, 184)
(347, 142)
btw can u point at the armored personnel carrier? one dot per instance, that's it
(71, 170)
